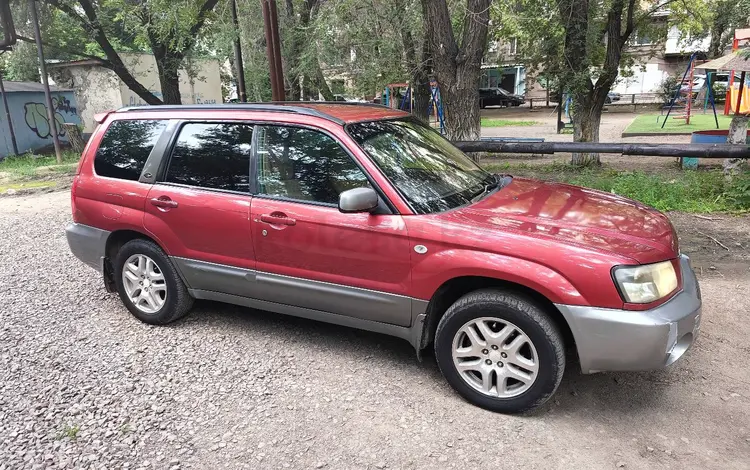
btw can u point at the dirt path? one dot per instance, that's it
(235, 388)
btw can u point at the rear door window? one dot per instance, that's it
(212, 155)
(125, 147)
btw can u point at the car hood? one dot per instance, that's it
(574, 215)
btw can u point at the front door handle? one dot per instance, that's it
(164, 201)
(277, 218)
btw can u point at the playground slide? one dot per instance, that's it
(744, 104)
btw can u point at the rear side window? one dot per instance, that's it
(125, 147)
(215, 156)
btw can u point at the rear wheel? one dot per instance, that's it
(500, 351)
(148, 283)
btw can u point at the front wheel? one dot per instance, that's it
(500, 351)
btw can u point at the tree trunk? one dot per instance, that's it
(461, 106)
(586, 129)
(738, 136)
(75, 139)
(715, 48)
(170, 86)
(321, 84)
(457, 69)
(421, 91)
(167, 67)
(306, 90)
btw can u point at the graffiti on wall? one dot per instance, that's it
(38, 121)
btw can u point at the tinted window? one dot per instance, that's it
(306, 165)
(212, 156)
(125, 147)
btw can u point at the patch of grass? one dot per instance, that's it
(491, 122)
(646, 124)
(687, 191)
(26, 165)
(71, 432)
(26, 185)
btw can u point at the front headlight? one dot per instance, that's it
(645, 284)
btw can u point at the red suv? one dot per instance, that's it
(362, 216)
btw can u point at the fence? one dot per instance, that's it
(715, 151)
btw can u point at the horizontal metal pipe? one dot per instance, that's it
(653, 150)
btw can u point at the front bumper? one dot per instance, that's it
(88, 244)
(627, 340)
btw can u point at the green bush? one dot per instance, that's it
(668, 88)
(688, 191)
(738, 191)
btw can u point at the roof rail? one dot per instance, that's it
(267, 107)
(343, 103)
(297, 107)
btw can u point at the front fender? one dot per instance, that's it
(432, 271)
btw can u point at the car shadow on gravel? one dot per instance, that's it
(609, 393)
(287, 328)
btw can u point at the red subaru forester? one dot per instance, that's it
(362, 216)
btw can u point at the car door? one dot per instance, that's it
(309, 254)
(200, 207)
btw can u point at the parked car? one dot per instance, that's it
(362, 216)
(612, 97)
(498, 97)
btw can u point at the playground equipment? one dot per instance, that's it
(741, 36)
(684, 99)
(399, 96)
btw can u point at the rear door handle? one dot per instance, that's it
(277, 219)
(164, 201)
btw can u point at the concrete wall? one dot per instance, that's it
(96, 90)
(99, 89)
(28, 113)
(203, 88)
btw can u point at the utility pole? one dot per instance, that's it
(273, 48)
(45, 81)
(7, 115)
(241, 92)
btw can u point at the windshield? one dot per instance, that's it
(429, 172)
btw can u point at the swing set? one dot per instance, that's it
(399, 96)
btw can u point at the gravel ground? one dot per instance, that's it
(85, 385)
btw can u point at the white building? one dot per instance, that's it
(99, 89)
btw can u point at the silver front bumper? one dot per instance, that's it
(627, 340)
(87, 243)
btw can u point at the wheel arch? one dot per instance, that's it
(115, 241)
(453, 289)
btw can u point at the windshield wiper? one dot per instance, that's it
(496, 182)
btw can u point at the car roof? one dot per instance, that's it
(340, 112)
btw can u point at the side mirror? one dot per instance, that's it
(358, 200)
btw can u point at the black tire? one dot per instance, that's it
(481, 104)
(178, 300)
(527, 316)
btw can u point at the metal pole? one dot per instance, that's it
(241, 92)
(559, 110)
(273, 16)
(7, 115)
(45, 81)
(270, 50)
(739, 96)
(656, 150)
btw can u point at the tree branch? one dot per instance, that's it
(206, 8)
(475, 23)
(102, 62)
(92, 26)
(629, 23)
